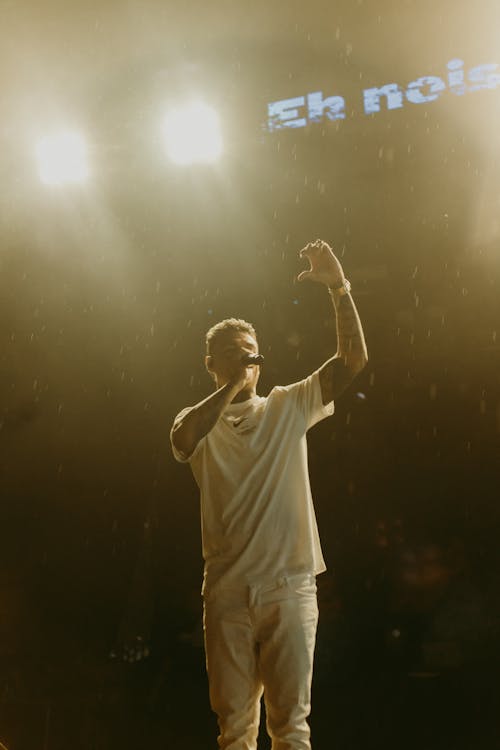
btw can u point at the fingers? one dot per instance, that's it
(323, 263)
(314, 248)
(310, 251)
(303, 275)
(305, 250)
(308, 276)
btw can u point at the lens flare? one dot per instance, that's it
(62, 159)
(192, 134)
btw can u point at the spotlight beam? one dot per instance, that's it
(62, 158)
(192, 134)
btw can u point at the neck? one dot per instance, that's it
(243, 396)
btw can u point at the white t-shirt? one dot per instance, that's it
(257, 514)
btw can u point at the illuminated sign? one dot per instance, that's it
(302, 110)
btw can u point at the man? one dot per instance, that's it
(260, 540)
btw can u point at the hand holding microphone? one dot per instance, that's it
(243, 375)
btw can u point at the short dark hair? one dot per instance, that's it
(229, 324)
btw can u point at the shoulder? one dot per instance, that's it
(311, 382)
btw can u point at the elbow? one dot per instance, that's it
(180, 442)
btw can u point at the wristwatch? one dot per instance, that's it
(344, 288)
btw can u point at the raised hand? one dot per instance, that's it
(324, 266)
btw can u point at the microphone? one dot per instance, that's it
(252, 359)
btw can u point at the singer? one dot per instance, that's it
(261, 546)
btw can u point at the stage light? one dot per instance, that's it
(62, 159)
(192, 134)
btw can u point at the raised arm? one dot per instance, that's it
(351, 357)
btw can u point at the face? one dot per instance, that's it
(227, 352)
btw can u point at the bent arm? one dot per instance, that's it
(193, 425)
(338, 372)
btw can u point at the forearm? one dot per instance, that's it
(351, 345)
(193, 426)
(337, 373)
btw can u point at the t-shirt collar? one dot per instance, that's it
(240, 406)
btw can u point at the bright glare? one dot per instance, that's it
(62, 159)
(192, 134)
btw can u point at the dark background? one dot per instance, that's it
(107, 290)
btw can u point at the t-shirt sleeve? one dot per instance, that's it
(179, 455)
(309, 400)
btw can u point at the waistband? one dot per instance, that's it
(253, 592)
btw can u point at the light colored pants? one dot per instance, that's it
(260, 639)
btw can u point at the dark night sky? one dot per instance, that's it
(107, 289)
